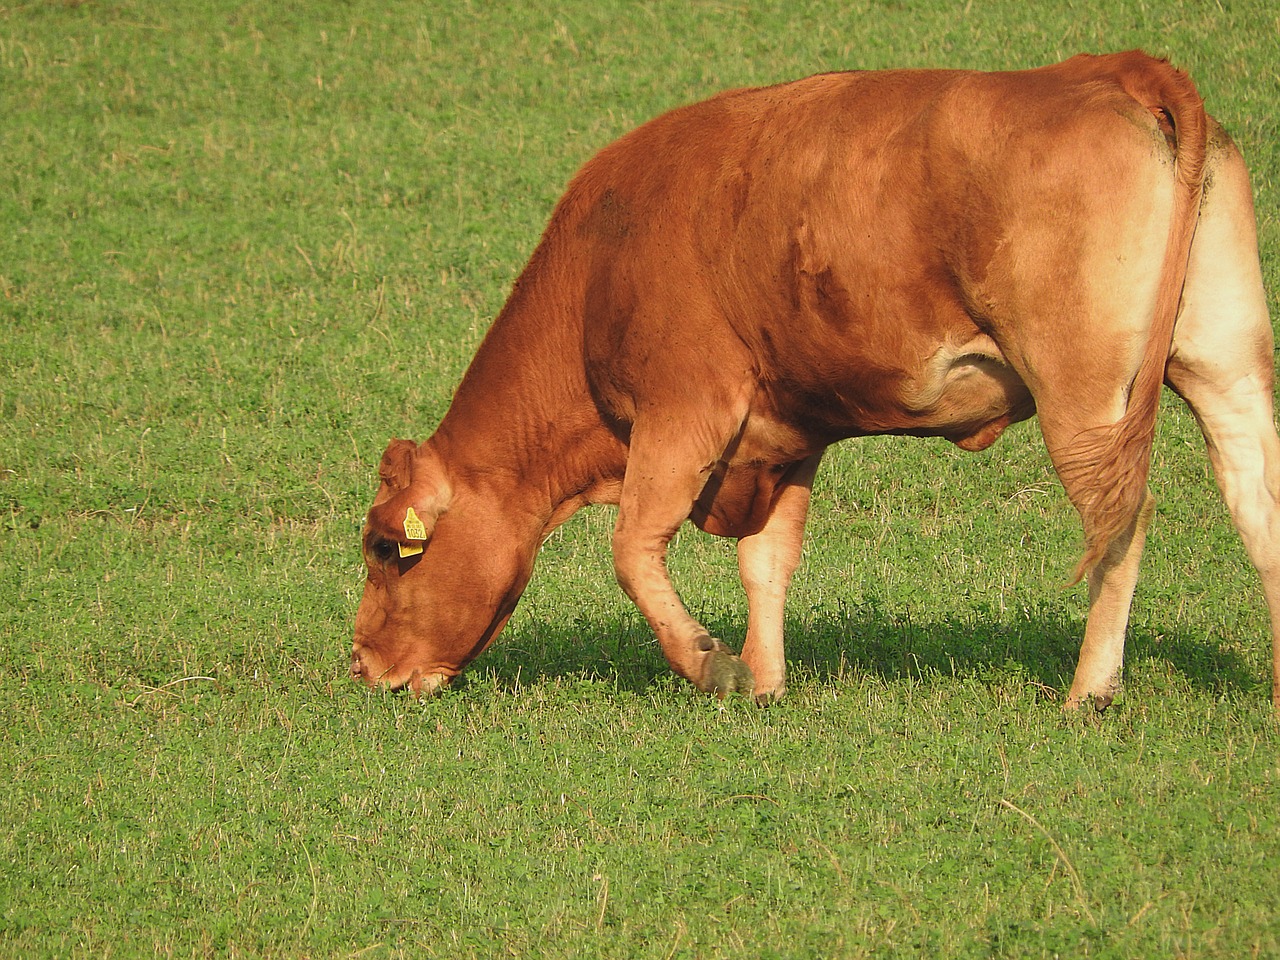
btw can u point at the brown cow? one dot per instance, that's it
(737, 284)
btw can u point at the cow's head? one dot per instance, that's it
(446, 563)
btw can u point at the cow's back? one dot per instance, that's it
(832, 235)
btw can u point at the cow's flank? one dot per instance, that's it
(734, 286)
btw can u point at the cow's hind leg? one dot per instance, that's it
(1080, 397)
(1072, 303)
(1111, 587)
(1078, 406)
(1221, 364)
(670, 460)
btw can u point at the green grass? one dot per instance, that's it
(247, 243)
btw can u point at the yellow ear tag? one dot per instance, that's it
(414, 528)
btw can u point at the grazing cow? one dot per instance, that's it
(732, 287)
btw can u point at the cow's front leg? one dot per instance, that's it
(661, 484)
(766, 561)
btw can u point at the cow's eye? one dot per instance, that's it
(383, 550)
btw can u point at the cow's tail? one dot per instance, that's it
(1109, 466)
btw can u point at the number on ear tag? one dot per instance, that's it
(414, 528)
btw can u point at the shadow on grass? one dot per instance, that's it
(867, 640)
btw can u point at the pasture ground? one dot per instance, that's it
(246, 243)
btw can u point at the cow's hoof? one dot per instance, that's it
(723, 673)
(765, 698)
(1099, 702)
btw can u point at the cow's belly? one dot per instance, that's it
(967, 394)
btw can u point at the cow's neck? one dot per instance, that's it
(523, 422)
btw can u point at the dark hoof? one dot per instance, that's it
(1099, 702)
(724, 673)
(770, 697)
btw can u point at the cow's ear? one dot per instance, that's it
(396, 466)
(408, 516)
(398, 523)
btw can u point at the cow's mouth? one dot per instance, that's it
(418, 682)
(427, 684)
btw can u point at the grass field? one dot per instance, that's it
(246, 243)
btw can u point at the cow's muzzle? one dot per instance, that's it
(418, 682)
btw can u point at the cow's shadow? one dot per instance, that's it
(832, 646)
